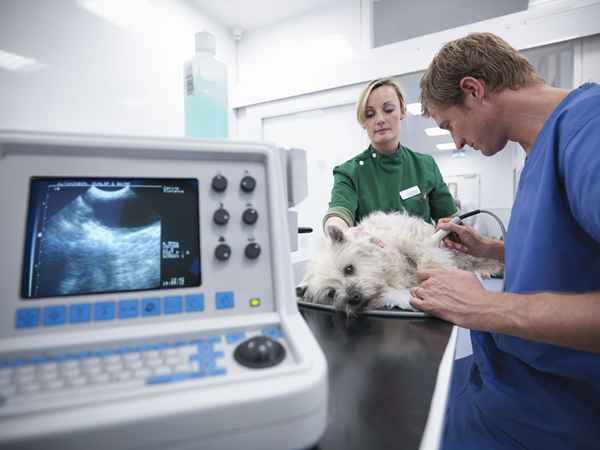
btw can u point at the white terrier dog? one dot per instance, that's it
(373, 265)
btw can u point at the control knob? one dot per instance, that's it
(222, 252)
(219, 183)
(252, 250)
(250, 216)
(221, 216)
(248, 183)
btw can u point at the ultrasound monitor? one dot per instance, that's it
(148, 297)
(96, 235)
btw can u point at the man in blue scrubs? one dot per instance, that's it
(533, 381)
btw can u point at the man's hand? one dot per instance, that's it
(456, 296)
(463, 238)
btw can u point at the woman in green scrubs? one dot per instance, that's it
(387, 176)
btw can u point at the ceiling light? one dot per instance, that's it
(133, 15)
(446, 146)
(414, 109)
(435, 131)
(12, 61)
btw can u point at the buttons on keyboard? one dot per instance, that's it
(54, 315)
(173, 305)
(105, 311)
(145, 363)
(194, 303)
(129, 309)
(150, 307)
(28, 317)
(80, 313)
(224, 300)
(123, 367)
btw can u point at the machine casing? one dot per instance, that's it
(280, 407)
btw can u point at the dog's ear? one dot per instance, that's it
(335, 234)
(301, 291)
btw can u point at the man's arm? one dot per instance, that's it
(568, 320)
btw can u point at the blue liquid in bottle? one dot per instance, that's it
(205, 92)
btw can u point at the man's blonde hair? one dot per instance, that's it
(364, 96)
(484, 56)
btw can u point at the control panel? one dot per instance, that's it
(200, 250)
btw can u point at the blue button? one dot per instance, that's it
(39, 359)
(235, 337)
(224, 300)
(80, 312)
(151, 307)
(173, 305)
(159, 379)
(273, 332)
(10, 363)
(54, 315)
(129, 309)
(28, 318)
(194, 302)
(104, 311)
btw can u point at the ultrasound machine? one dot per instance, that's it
(147, 297)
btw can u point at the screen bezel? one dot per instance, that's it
(30, 217)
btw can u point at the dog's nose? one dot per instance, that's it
(354, 299)
(300, 291)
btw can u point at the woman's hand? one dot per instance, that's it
(337, 223)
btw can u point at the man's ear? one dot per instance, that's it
(335, 234)
(473, 89)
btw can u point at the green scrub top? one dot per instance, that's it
(404, 181)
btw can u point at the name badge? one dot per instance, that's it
(410, 192)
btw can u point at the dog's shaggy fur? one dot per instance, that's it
(372, 265)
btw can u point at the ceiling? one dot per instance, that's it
(253, 14)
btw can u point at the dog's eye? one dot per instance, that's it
(331, 293)
(349, 269)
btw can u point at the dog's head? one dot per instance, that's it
(350, 272)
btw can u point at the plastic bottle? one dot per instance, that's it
(205, 91)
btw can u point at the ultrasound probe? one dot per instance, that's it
(437, 237)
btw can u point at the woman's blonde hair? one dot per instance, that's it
(364, 96)
(484, 56)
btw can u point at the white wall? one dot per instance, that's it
(300, 50)
(96, 76)
(590, 59)
(331, 48)
(496, 177)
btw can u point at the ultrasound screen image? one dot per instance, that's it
(94, 235)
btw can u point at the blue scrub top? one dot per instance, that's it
(515, 393)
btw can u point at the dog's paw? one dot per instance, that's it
(397, 298)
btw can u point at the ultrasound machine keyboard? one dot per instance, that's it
(26, 382)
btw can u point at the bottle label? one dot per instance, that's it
(189, 80)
